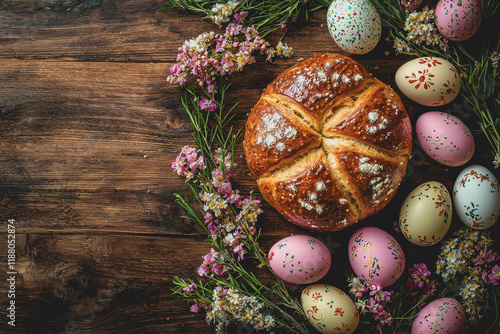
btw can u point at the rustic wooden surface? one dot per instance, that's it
(88, 130)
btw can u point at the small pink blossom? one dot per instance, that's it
(212, 55)
(411, 5)
(190, 288)
(207, 104)
(188, 162)
(195, 307)
(210, 264)
(494, 276)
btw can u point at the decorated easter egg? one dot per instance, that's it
(458, 20)
(444, 315)
(329, 309)
(476, 197)
(354, 25)
(445, 138)
(300, 259)
(376, 256)
(426, 213)
(429, 81)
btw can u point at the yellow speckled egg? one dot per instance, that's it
(329, 309)
(426, 213)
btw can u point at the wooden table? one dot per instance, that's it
(89, 128)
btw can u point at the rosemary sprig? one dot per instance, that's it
(479, 79)
(213, 130)
(210, 129)
(267, 16)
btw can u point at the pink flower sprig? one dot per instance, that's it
(212, 55)
(190, 288)
(493, 277)
(419, 279)
(486, 263)
(220, 202)
(210, 265)
(188, 162)
(206, 104)
(220, 221)
(411, 5)
(372, 299)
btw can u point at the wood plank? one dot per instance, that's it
(96, 283)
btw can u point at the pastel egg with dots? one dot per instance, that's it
(445, 138)
(354, 25)
(300, 259)
(458, 20)
(426, 213)
(329, 309)
(429, 81)
(476, 197)
(376, 257)
(444, 315)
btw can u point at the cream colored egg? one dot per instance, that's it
(429, 81)
(426, 213)
(329, 309)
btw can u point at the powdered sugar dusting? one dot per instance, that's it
(321, 75)
(312, 203)
(290, 132)
(274, 133)
(280, 147)
(313, 197)
(371, 129)
(292, 188)
(373, 117)
(302, 80)
(379, 184)
(308, 206)
(270, 140)
(369, 168)
(320, 186)
(358, 77)
(346, 79)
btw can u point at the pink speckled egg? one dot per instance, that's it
(376, 256)
(445, 138)
(444, 315)
(458, 20)
(300, 259)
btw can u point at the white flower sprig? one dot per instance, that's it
(466, 260)
(231, 305)
(420, 29)
(223, 12)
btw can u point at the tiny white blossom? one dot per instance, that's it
(496, 162)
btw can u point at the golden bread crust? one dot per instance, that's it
(328, 143)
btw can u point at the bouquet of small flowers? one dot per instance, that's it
(230, 293)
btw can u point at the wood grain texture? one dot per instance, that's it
(89, 128)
